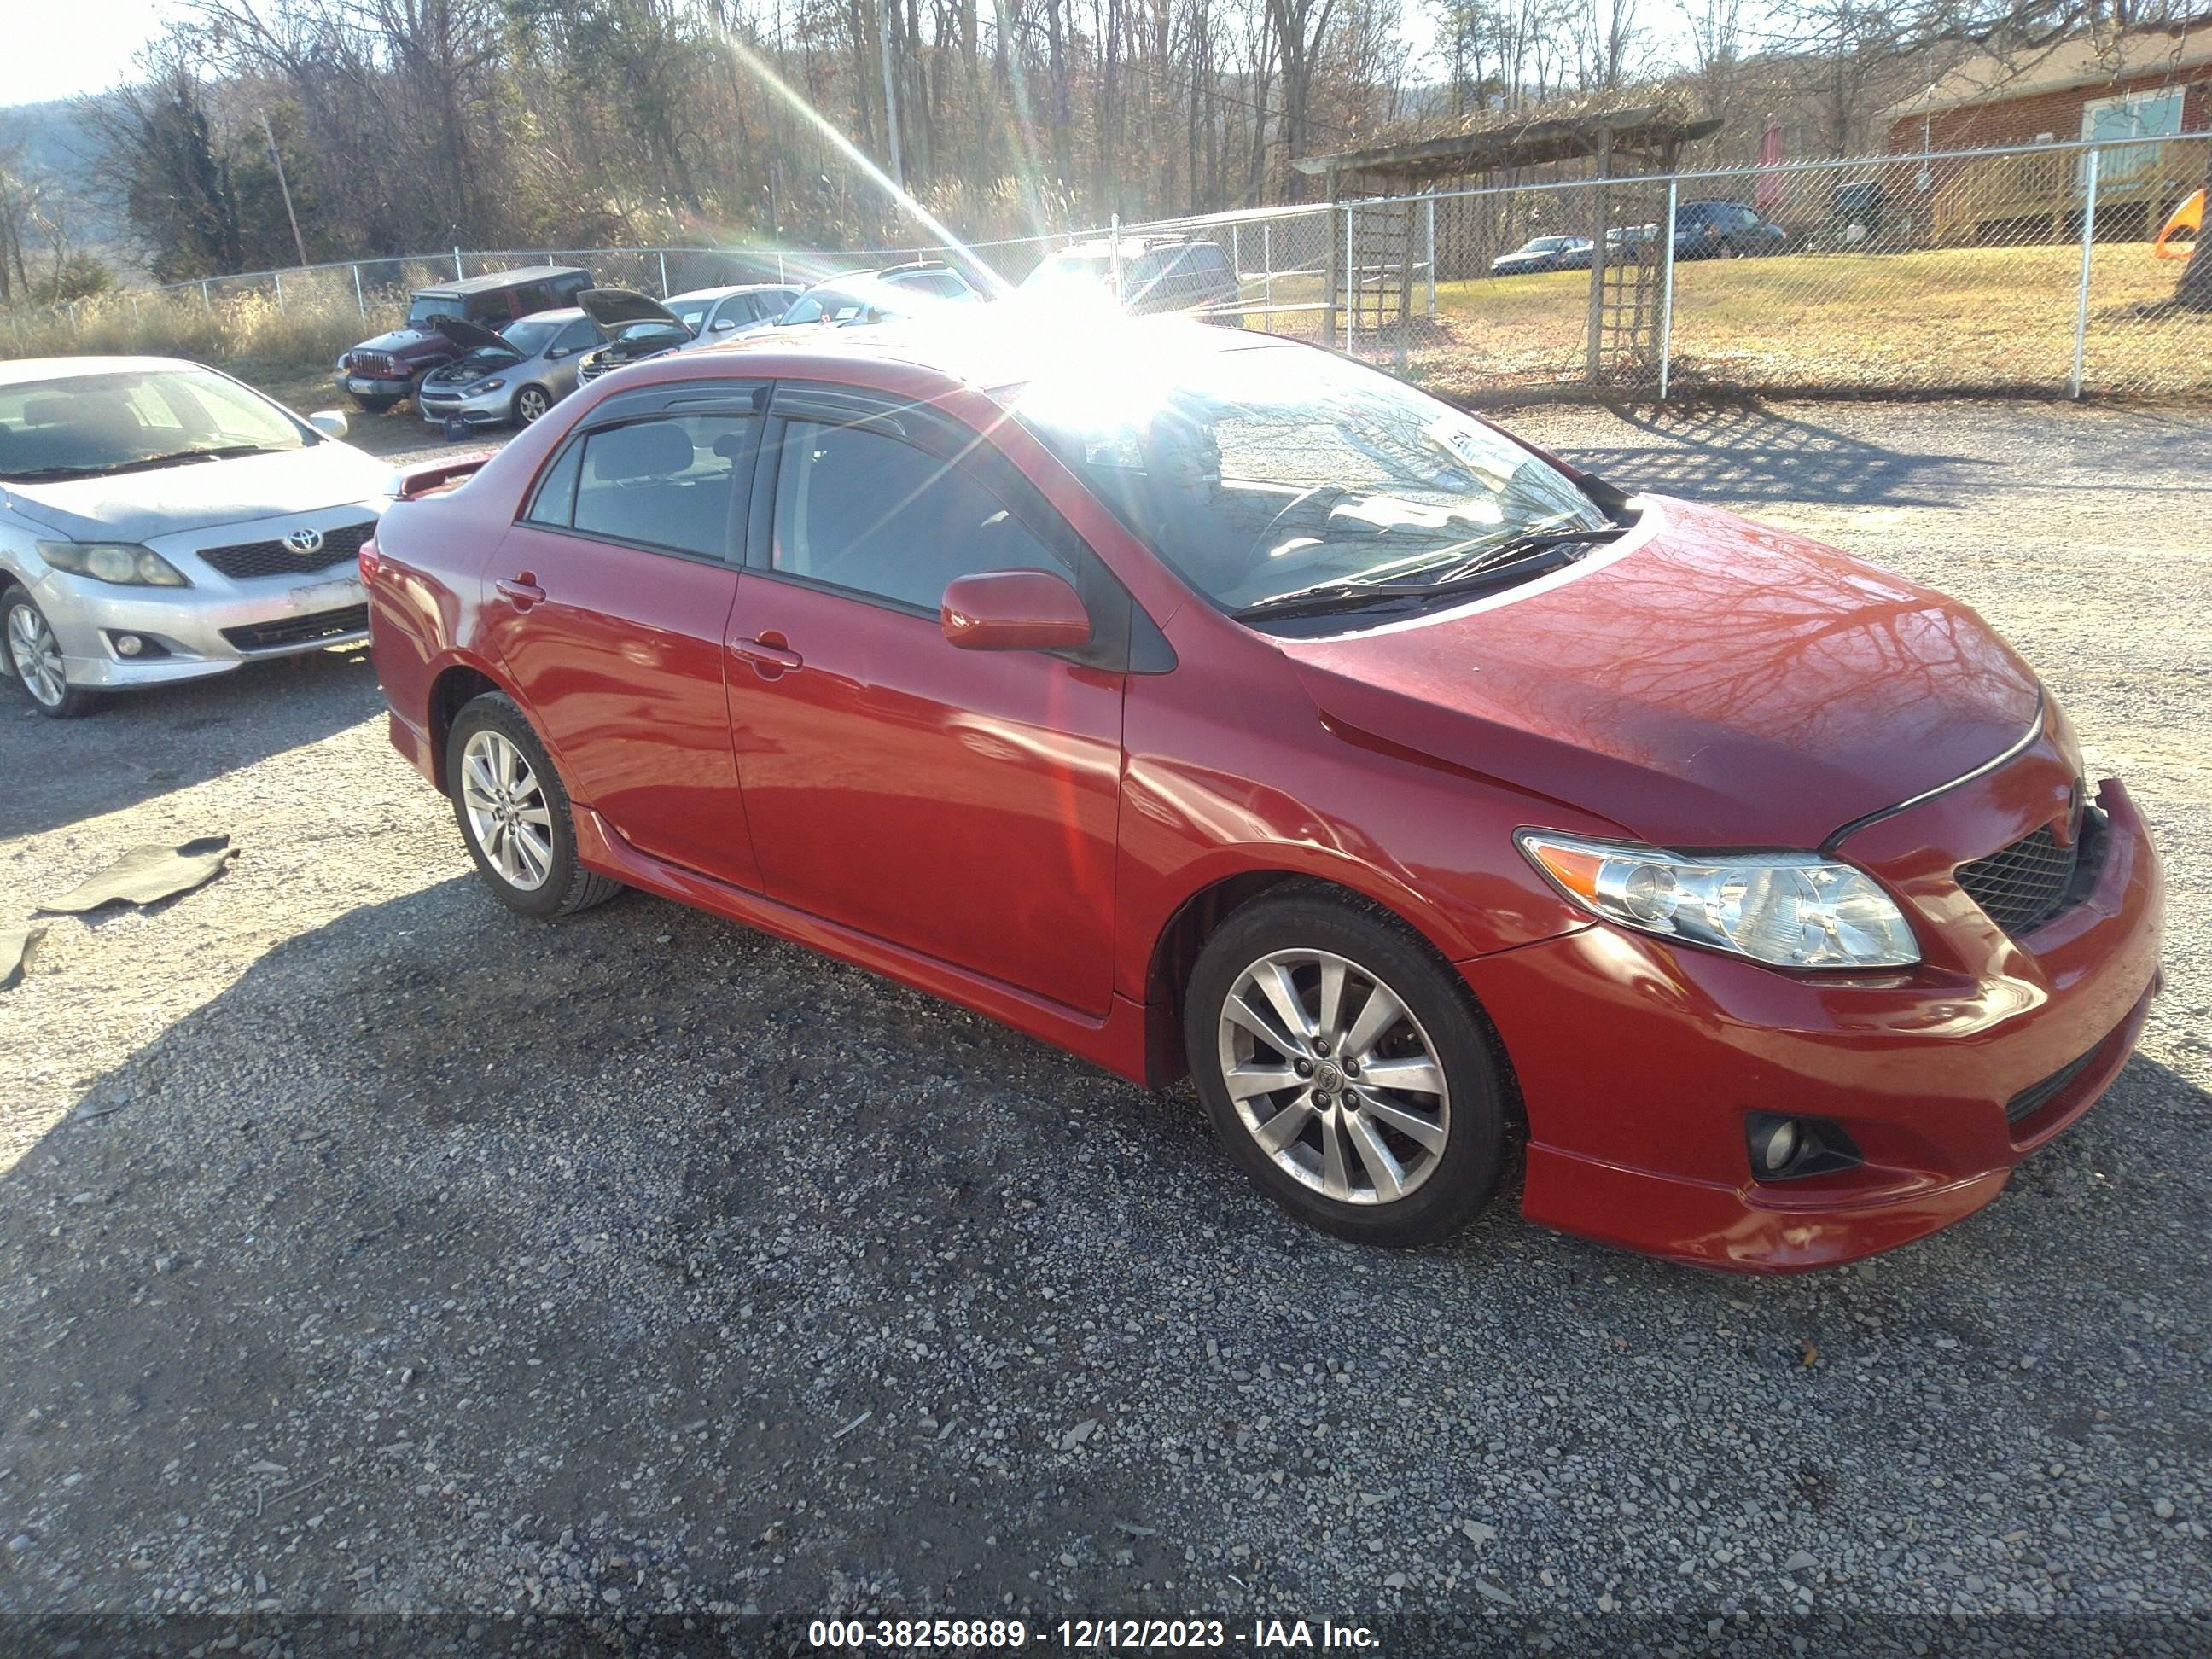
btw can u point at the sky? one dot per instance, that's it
(59, 48)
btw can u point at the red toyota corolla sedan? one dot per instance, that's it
(1198, 700)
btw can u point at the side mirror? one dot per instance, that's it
(331, 422)
(724, 324)
(1013, 611)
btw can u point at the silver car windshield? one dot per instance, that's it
(1262, 472)
(82, 425)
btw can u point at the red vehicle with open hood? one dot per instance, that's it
(1205, 701)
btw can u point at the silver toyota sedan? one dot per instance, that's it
(160, 521)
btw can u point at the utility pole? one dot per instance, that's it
(890, 91)
(298, 241)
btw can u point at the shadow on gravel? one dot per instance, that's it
(452, 1259)
(132, 747)
(1745, 455)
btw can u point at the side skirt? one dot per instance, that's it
(1115, 1042)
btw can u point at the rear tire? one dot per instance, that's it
(33, 657)
(514, 813)
(1384, 1123)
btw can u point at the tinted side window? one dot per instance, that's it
(859, 509)
(668, 482)
(555, 502)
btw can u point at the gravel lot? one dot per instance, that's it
(366, 1248)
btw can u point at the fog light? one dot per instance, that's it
(129, 645)
(1774, 1146)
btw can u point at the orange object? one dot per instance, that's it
(2189, 216)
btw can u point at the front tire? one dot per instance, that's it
(373, 405)
(514, 815)
(33, 656)
(531, 403)
(1345, 1069)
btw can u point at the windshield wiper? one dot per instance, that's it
(1533, 541)
(1327, 597)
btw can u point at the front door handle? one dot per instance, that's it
(522, 590)
(770, 656)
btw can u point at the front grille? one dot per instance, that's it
(2036, 1095)
(2024, 885)
(300, 630)
(243, 560)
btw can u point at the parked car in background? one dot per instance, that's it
(1542, 253)
(1158, 274)
(160, 521)
(636, 325)
(1205, 701)
(862, 299)
(722, 313)
(1708, 230)
(512, 375)
(383, 371)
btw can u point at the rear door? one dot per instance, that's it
(609, 602)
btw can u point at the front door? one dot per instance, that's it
(609, 604)
(960, 803)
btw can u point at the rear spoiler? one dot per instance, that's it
(419, 481)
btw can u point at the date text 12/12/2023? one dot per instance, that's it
(1091, 1635)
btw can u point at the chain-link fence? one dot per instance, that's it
(2027, 269)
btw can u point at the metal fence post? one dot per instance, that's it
(278, 276)
(457, 265)
(137, 317)
(75, 327)
(1114, 255)
(360, 300)
(1667, 292)
(664, 273)
(2082, 300)
(778, 265)
(1267, 266)
(1351, 280)
(1236, 255)
(1429, 213)
(206, 299)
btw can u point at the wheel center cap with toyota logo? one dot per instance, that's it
(304, 542)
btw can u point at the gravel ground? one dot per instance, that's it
(369, 1248)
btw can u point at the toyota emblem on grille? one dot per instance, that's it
(304, 542)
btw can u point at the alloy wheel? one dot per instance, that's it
(1334, 1076)
(37, 655)
(506, 809)
(531, 404)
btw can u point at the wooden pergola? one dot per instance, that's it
(1614, 139)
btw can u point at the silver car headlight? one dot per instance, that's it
(1785, 909)
(122, 563)
(482, 387)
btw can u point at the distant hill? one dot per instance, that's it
(57, 141)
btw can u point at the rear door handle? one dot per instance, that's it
(770, 655)
(522, 590)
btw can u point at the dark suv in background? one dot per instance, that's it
(1709, 230)
(378, 373)
(1158, 273)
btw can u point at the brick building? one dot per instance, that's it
(2147, 84)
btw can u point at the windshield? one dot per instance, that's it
(84, 424)
(1071, 267)
(426, 305)
(938, 284)
(692, 312)
(531, 335)
(812, 305)
(651, 330)
(1262, 471)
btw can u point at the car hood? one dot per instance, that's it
(407, 342)
(612, 307)
(136, 507)
(467, 336)
(1707, 682)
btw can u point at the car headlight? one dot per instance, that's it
(119, 562)
(1786, 909)
(480, 387)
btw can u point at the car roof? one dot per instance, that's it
(17, 371)
(562, 314)
(974, 346)
(727, 289)
(498, 279)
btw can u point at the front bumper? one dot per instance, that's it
(1638, 1062)
(492, 409)
(218, 623)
